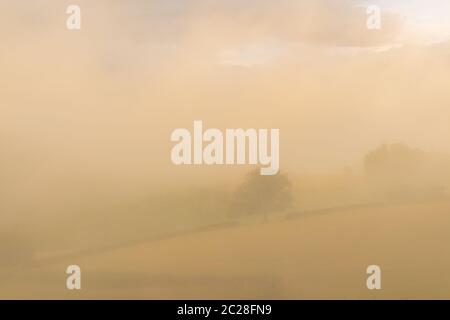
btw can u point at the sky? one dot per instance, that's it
(104, 100)
(425, 21)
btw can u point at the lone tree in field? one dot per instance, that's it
(261, 195)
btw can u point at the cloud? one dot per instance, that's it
(320, 22)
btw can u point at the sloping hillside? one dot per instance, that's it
(323, 256)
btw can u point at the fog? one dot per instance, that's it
(86, 116)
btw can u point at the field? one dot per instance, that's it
(316, 256)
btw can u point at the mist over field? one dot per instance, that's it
(85, 170)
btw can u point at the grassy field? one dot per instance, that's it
(318, 256)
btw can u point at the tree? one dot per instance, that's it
(394, 160)
(402, 172)
(261, 195)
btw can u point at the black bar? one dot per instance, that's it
(227, 309)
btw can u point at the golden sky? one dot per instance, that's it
(105, 99)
